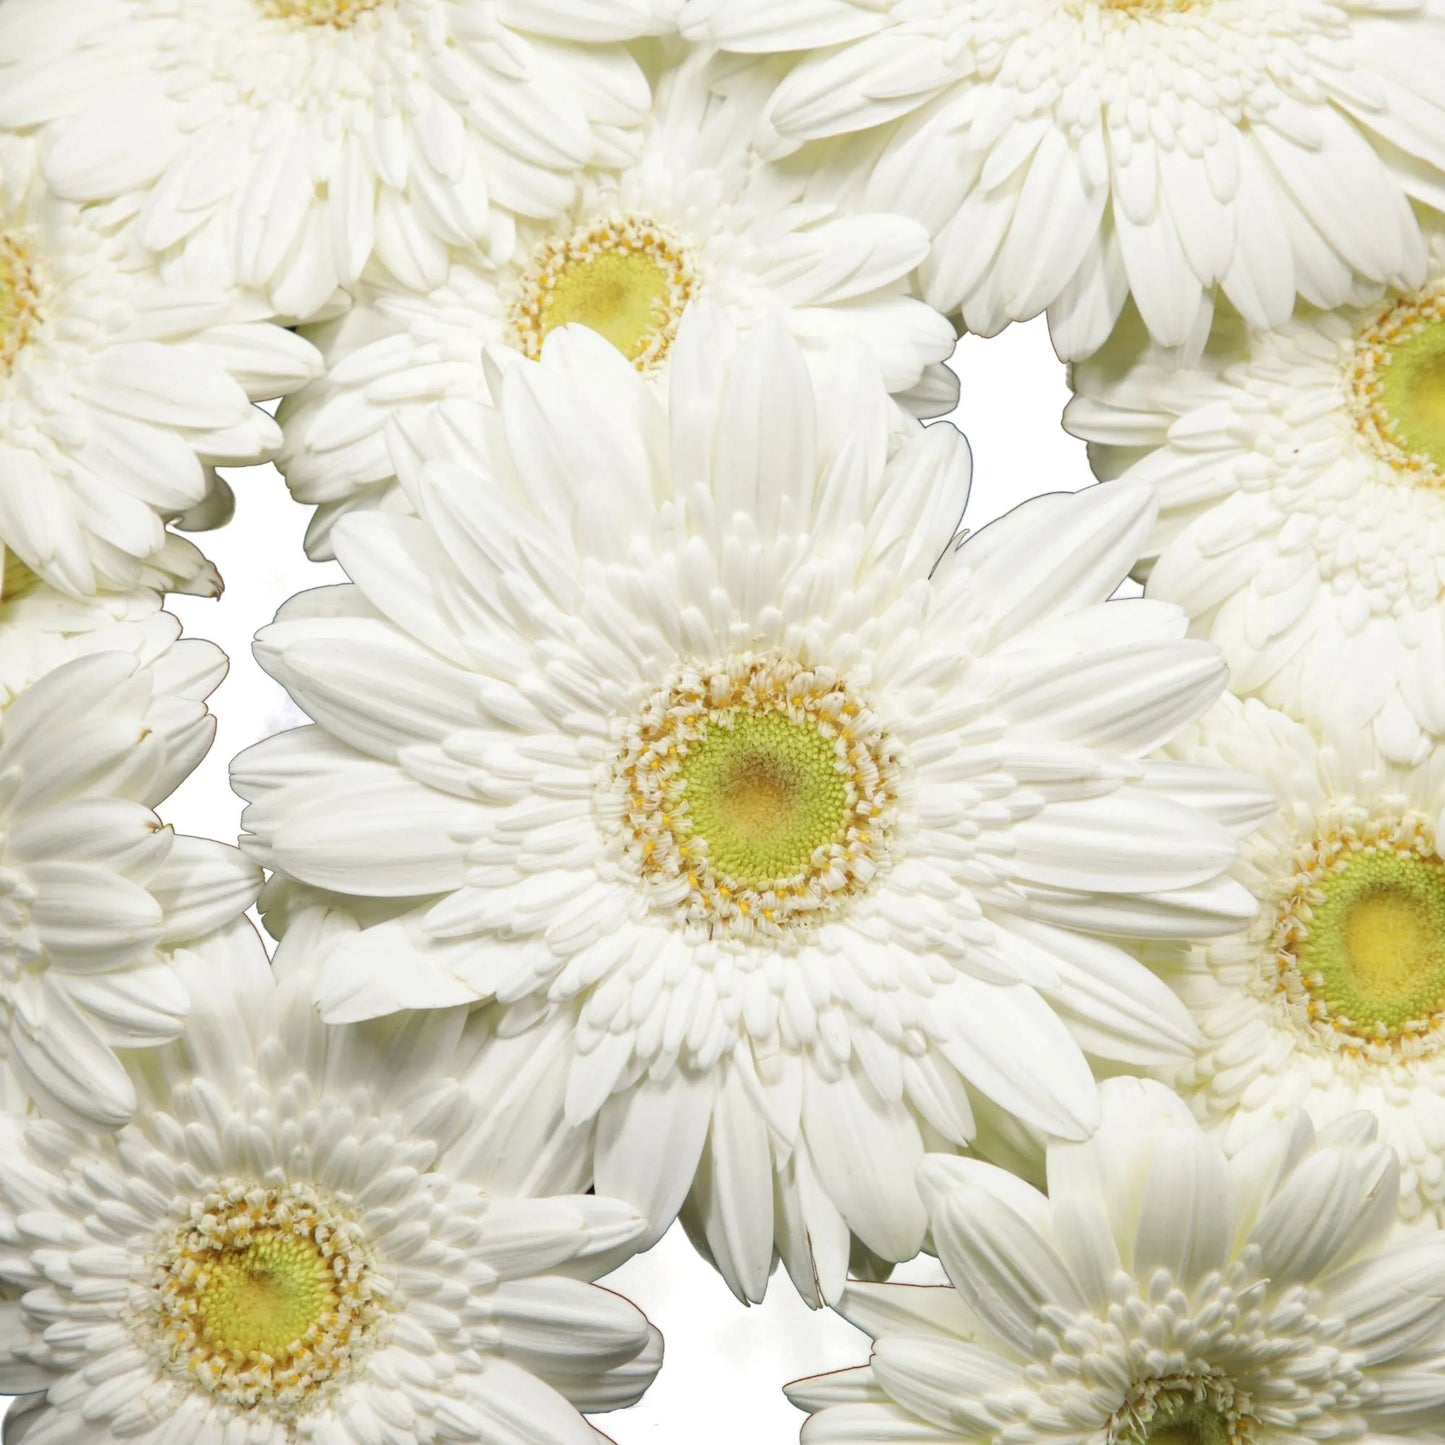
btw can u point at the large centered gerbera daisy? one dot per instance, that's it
(1333, 999)
(95, 892)
(282, 143)
(677, 726)
(118, 393)
(1157, 1296)
(1301, 482)
(307, 1235)
(1069, 153)
(694, 217)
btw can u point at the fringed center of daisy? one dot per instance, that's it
(626, 278)
(1182, 1410)
(1148, 7)
(1397, 387)
(339, 14)
(265, 1296)
(1359, 944)
(755, 797)
(19, 298)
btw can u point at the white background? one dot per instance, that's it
(725, 1363)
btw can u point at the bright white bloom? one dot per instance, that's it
(1333, 999)
(94, 891)
(1069, 153)
(694, 217)
(118, 392)
(41, 628)
(683, 741)
(1158, 1295)
(282, 143)
(1301, 482)
(307, 1235)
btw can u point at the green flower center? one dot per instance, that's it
(1357, 955)
(1187, 1422)
(19, 298)
(265, 1297)
(757, 796)
(765, 792)
(339, 14)
(626, 279)
(1374, 955)
(1397, 387)
(1183, 1410)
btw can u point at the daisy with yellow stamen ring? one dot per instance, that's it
(1301, 483)
(1160, 1294)
(795, 836)
(119, 394)
(1333, 998)
(693, 218)
(349, 132)
(314, 1234)
(1069, 156)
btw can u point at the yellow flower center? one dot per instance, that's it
(757, 796)
(1397, 387)
(627, 279)
(339, 14)
(19, 298)
(765, 791)
(265, 1297)
(1359, 943)
(1182, 1410)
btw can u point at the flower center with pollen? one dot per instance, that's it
(753, 797)
(1182, 1410)
(1397, 387)
(264, 1297)
(19, 298)
(627, 279)
(1359, 943)
(339, 14)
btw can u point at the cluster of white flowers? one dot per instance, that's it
(695, 822)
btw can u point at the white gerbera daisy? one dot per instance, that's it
(41, 628)
(1158, 1295)
(118, 392)
(695, 216)
(94, 890)
(1301, 482)
(1333, 999)
(1068, 153)
(677, 731)
(306, 1236)
(281, 143)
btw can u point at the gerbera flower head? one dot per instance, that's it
(1067, 154)
(707, 755)
(306, 1235)
(118, 395)
(282, 143)
(1301, 483)
(1158, 1295)
(693, 217)
(41, 628)
(95, 892)
(1333, 998)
